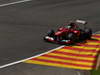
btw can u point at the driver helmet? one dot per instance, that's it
(72, 24)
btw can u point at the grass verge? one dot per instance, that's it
(96, 72)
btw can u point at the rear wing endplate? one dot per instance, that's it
(81, 21)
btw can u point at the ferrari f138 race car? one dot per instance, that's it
(70, 33)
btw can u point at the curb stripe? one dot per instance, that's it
(80, 49)
(65, 61)
(95, 41)
(97, 36)
(68, 58)
(86, 45)
(57, 65)
(72, 54)
(77, 52)
(59, 62)
(74, 57)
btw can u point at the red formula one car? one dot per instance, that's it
(70, 33)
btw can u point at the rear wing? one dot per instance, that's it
(81, 21)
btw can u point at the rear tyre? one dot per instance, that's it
(88, 33)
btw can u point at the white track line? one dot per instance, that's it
(13, 63)
(7, 4)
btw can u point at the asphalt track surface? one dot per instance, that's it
(23, 25)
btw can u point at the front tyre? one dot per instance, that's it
(72, 37)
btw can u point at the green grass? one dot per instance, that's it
(94, 72)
